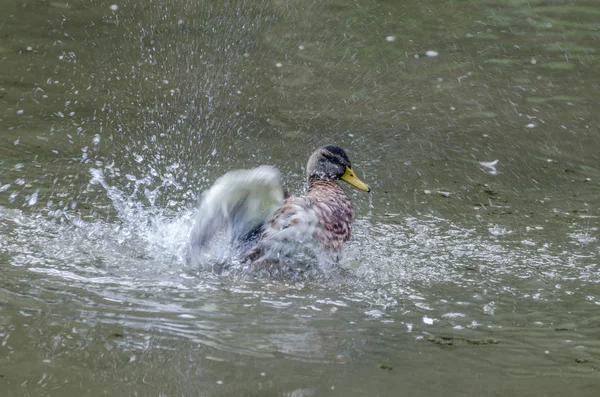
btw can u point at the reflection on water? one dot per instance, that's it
(478, 247)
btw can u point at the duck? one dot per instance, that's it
(265, 224)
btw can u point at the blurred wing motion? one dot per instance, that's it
(238, 204)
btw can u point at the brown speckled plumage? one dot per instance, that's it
(323, 217)
(334, 211)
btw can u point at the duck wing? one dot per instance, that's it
(239, 203)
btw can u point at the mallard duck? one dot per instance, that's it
(265, 224)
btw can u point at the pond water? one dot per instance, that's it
(473, 267)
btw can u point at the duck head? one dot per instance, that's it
(330, 163)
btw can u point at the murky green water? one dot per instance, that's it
(473, 269)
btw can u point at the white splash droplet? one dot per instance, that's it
(490, 165)
(33, 199)
(489, 308)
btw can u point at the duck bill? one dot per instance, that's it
(354, 181)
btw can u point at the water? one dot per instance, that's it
(473, 266)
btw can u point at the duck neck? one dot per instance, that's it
(327, 190)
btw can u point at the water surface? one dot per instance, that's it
(473, 268)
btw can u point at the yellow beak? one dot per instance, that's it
(354, 181)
